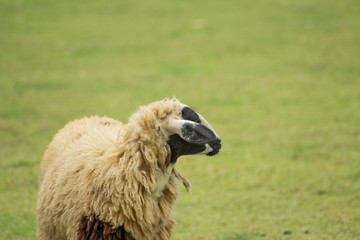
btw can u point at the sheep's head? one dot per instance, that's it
(187, 132)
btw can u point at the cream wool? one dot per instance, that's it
(123, 175)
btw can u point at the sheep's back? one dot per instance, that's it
(72, 133)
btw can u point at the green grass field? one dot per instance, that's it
(279, 80)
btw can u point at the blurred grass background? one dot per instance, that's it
(278, 80)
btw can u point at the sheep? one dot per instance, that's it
(101, 179)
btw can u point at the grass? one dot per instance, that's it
(279, 81)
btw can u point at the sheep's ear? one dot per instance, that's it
(191, 132)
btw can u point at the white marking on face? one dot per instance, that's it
(207, 149)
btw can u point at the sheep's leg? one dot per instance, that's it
(91, 228)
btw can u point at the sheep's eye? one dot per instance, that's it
(189, 114)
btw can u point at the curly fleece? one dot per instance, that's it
(118, 173)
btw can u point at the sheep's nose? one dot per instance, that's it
(216, 146)
(216, 143)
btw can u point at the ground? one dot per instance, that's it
(278, 80)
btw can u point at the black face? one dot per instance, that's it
(197, 137)
(180, 147)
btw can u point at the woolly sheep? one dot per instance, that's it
(101, 179)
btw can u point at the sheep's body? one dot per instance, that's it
(119, 174)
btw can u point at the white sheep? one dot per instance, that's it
(101, 179)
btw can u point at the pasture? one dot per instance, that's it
(278, 80)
